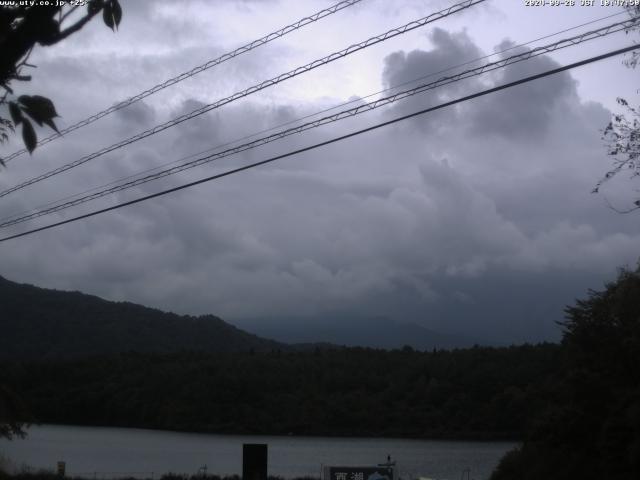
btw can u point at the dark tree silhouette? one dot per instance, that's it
(622, 134)
(21, 29)
(592, 428)
(12, 408)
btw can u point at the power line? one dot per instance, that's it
(4, 220)
(333, 140)
(267, 83)
(306, 116)
(568, 42)
(299, 119)
(194, 71)
(284, 124)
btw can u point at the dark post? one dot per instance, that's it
(254, 461)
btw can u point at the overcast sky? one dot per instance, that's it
(477, 219)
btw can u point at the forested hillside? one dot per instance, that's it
(591, 429)
(472, 393)
(46, 324)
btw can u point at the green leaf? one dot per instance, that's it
(112, 14)
(107, 16)
(33, 117)
(40, 108)
(52, 125)
(29, 135)
(117, 12)
(16, 114)
(93, 7)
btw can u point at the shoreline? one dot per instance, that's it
(471, 438)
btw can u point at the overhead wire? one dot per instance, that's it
(275, 127)
(267, 83)
(358, 99)
(330, 141)
(194, 71)
(524, 56)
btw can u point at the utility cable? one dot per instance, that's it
(576, 40)
(194, 71)
(305, 117)
(331, 141)
(280, 78)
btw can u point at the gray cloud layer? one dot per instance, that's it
(477, 219)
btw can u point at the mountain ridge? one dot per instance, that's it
(374, 331)
(45, 323)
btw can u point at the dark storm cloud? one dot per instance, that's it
(524, 111)
(425, 66)
(449, 49)
(136, 116)
(463, 224)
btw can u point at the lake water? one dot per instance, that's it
(111, 452)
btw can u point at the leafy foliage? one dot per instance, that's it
(623, 137)
(21, 28)
(622, 134)
(592, 428)
(6, 127)
(13, 414)
(112, 14)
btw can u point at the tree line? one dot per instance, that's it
(575, 406)
(481, 392)
(591, 429)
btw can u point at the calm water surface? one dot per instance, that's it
(112, 451)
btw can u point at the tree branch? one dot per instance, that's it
(69, 12)
(76, 26)
(20, 40)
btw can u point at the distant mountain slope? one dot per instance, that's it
(42, 323)
(374, 332)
